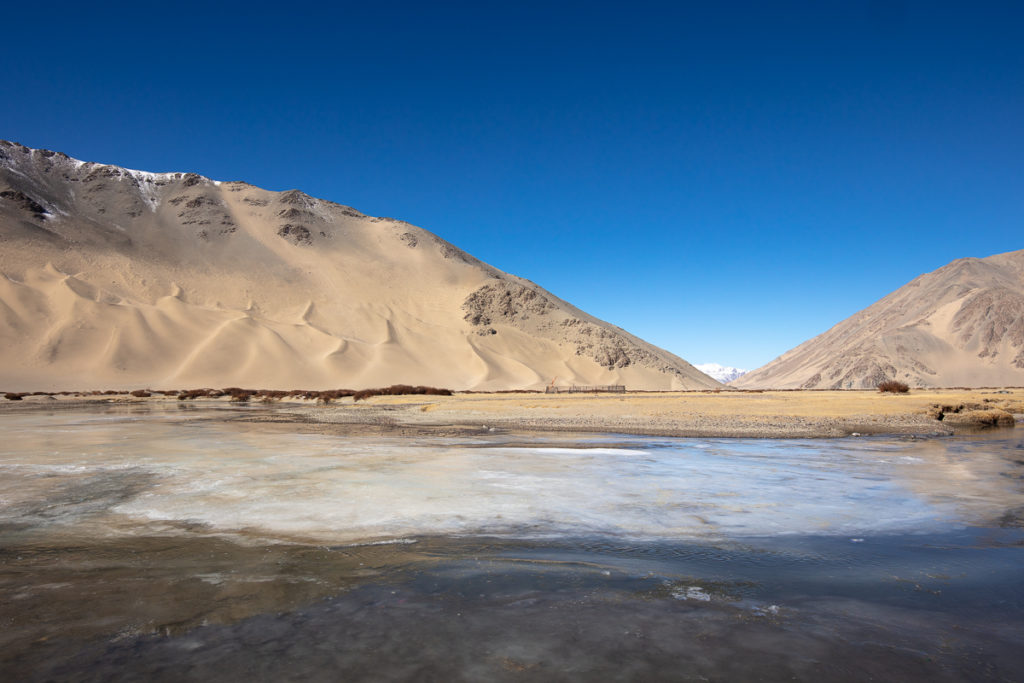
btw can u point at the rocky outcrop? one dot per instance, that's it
(510, 303)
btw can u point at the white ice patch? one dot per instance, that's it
(765, 610)
(691, 593)
(230, 478)
(148, 182)
(584, 451)
(148, 188)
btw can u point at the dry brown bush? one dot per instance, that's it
(893, 386)
(400, 390)
(270, 395)
(141, 393)
(11, 396)
(190, 394)
(237, 394)
(330, 395)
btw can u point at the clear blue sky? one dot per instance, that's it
(724, 179)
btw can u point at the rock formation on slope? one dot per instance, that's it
(112, 278)
(961, 325)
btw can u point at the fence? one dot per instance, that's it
(587, 389)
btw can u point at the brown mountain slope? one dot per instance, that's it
(118, 278)
(961, 325)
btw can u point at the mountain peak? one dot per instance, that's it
(723, 373)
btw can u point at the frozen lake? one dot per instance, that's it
(195, 544)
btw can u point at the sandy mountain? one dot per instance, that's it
(118, 278)
(961, 325)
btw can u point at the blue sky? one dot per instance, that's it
(725, 180)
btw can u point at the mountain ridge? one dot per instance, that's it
(959, 325)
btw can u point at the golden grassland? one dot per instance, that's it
(692, 413)
(846, 403)
(800, 411)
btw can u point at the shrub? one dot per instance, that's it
(237, 394)
(141, 393)
(11, 396)
(400, 390)
(270, 395)
(328, 396)
(893, 387)
(190, 394)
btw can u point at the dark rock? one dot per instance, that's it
(201, 201)
(294, 214)
(97, 172)
(504, 301)
(25, 203)
(296, 234)
(296, 198)
(813, 381)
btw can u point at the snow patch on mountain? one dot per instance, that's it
(722, 373)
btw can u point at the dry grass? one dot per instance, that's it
(692, 413)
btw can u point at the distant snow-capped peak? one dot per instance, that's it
(722, 373)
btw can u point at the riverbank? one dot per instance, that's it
(768, 414)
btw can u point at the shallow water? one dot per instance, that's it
(196, 544)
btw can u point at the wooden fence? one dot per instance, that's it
(587, 389)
